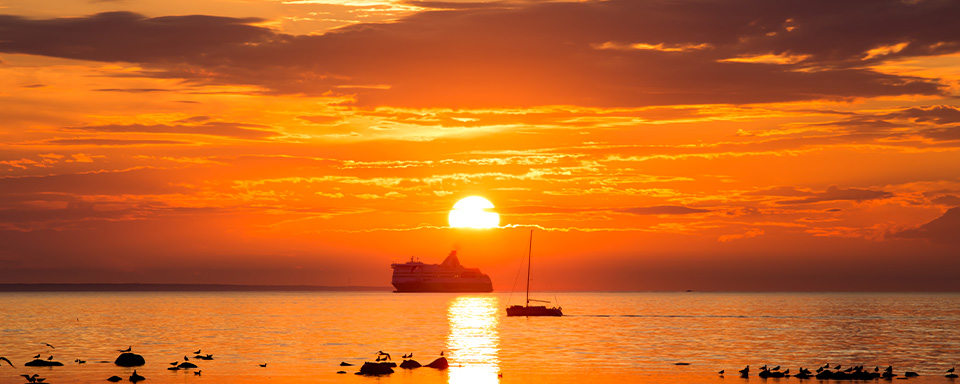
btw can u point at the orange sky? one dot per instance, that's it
(708, 145)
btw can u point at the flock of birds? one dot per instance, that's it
(825, 372)
(134, 377)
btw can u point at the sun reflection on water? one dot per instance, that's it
(474, 342)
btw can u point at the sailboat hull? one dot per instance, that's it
(519, 310)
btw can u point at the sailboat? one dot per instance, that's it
(532, 310)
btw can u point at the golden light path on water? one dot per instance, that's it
(473, 341)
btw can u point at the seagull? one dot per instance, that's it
(7, 360)
(721, 372)
(197, 352)
(197, 373)
(135, 377)
(125, 350)
(441, 353)
(745, 371)
(48, 344)
(264, 365)
(37, 356)
(175, 363)
(50, 358)
(777, 368)
(81, 361)
(32, 379)
(950, 370)
(186, 358)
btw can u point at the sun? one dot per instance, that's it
(470, 212)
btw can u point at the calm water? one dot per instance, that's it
(634, 337)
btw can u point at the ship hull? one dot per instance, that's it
(459, 286)
(519, 310)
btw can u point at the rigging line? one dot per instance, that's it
(514, 288)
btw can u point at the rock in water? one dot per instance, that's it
(128, 359)
(410, 364)
(375, 369)
(43, 363)
(345, 364)
(440, 363)
(186, 365)
(115, 378)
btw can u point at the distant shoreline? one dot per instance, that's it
(135, 287)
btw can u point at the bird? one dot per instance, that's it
(48, 344)
(837, 367)
(745, 371)
(29, 378)
(136, 377)
(721, 372)
(197, 373)
(175, 363)
(441, 353)
(37, 356)
(81, 361)
(384, 354)
(777, 368)
(41, 379)
(7, 360)
(50, 358)
(130, 348)
(197, 352)
(264, 365)
(186, 358)
(787, 372)
(950, 370)
(763, 368)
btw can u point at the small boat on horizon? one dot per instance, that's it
(532, 310)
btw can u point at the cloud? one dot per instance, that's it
(224, 129)
(531, 53)
(114, 142)
(779, 191)
(942, 230)
(663, 210)
(834, 193)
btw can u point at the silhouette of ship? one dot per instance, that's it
(448, 276)
(532, 310)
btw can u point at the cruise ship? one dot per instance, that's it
(448, 276)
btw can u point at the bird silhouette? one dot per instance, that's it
(197, 352)
(41, 379)
(197, 373)
(745, 371)
(950, 370)
(37, 356)
(81, 361)
(186, 358)
(721, 372)
(50, 358)
(441, 353)
(7, 360)
(32, 379)
(777, 368)
(175, 363)
(48, 344)
(264, 365)
(130, 348)
(136, 377)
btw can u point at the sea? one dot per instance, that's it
(603, 337)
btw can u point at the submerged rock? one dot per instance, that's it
(375, 369)
(410, 364)
(440, 363)
(186, 365)
(345, 364)
(341, 372)
(43, 363)
(128, 359)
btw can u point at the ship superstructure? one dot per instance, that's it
(448, 276)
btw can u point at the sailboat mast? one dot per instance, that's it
(529, 253)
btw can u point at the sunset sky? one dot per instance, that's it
(652, 145)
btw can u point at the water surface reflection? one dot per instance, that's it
(474, 340)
